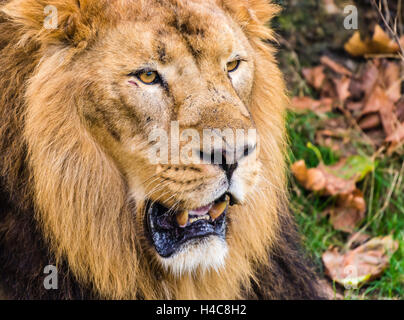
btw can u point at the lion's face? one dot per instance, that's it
(179, 74)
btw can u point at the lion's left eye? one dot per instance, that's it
(233, 65)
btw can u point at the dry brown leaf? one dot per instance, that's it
(380, 43)
(342, 88)
(391, 80)
(368, 78)
(396, 139)
(338, 180)
(348, 212)
(400, 110)
(370, 121)
(365, 263)
(306, 103)
(314, 76)
(336, 67)
(379, 102)
(389, 119)
(376, 101)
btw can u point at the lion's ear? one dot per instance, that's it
(52, 21)
(253, 15)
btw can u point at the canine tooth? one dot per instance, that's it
(218, 209)
(182, 218)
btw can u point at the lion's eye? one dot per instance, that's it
(233, 65)
(148, 77)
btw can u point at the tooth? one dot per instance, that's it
(182, 218)
(218, 209)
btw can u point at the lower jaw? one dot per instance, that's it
(169, 238)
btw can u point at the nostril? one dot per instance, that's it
(248, 149)
(228, 162)
(218, 157)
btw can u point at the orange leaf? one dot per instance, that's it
(380, 43)
(322, 180)
(307, 103)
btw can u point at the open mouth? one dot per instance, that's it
(169, 230)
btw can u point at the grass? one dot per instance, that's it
(383, 190)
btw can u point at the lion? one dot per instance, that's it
(83, 86)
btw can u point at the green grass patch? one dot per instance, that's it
(383, 188)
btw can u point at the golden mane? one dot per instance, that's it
(80, 195)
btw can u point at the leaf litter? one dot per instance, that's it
(369, 97)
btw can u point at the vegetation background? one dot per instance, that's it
(372, 236)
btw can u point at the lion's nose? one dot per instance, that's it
(227, 159)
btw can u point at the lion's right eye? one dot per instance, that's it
(233, 65)
(148, 77)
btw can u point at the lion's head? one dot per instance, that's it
(111, 75)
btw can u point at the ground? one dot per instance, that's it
(306, 33)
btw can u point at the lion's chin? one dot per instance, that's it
(204, 254)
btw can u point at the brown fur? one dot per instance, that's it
(61, 159)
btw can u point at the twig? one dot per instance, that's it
(399, 16)
(393, 32)
(387, 11)
(383, 55)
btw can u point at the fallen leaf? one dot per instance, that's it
(363, 264)
(368, 78)
(333, 180)
(314, 76)
(400, 110)
(336, 67)
(348, 212)
(379, 102)
(396, 139)
(320, 180)
(338, 180)
(306, 103)
(370, 121)
(355, 46)
(342, 87)
(389, 118)
(391, 80)
(380, 43)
